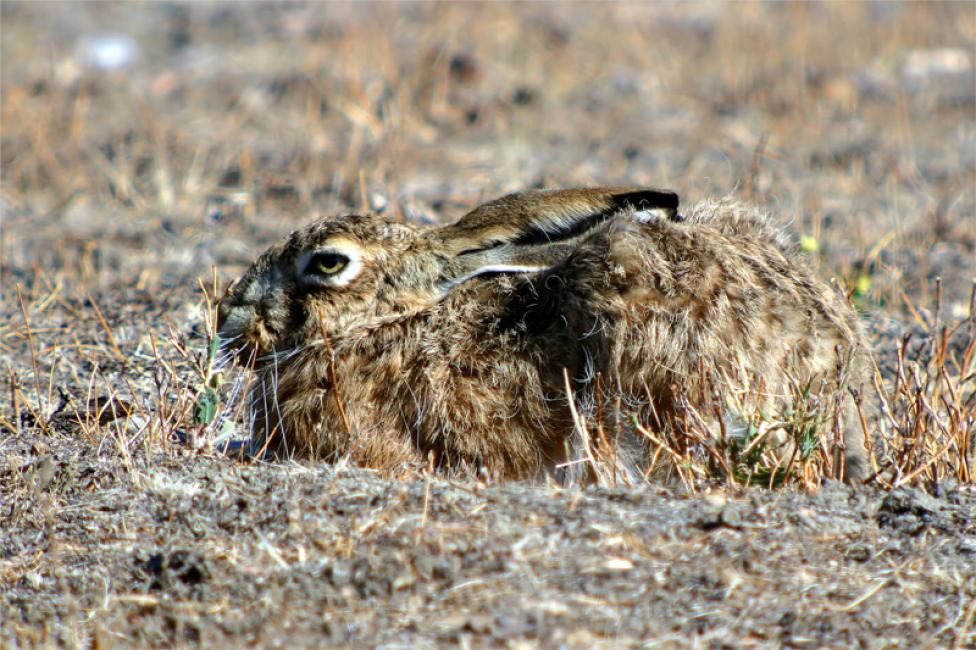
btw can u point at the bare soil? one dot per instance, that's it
(205, 551)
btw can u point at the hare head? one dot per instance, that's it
(361, 270)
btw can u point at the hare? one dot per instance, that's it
(490, 343)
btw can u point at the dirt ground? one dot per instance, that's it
(148, 152)
(203, 551)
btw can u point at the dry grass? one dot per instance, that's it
(125, 192)
(130, 198)
(919, 422)
(929, 408)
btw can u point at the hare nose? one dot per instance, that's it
(243, 293)
(237, 297)
(252, 294)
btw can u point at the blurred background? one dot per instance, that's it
(143, 143)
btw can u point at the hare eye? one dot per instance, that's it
(327, 263)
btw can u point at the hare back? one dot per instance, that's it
(717, 312)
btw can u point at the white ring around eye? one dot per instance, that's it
(347, 249)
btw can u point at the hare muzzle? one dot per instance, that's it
(249, 320)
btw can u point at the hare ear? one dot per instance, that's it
(546, 216)
(504, 258)
(533, 231)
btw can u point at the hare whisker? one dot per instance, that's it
(225, 341)
(238, 390)
(277, 403)
(256, 443)
(225, 358)
(282, 355)
(268, 432)
(224, 350)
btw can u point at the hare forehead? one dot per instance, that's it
(370, 237)
(341, 244)
(365, 245)
(360, 227)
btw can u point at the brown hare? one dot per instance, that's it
(494, 342)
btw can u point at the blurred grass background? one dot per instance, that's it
(217, 127)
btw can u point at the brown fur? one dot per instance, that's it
(413, 357)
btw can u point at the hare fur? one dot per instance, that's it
(483, 343)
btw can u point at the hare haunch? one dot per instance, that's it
(486, 342)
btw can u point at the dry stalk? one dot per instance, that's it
(334, 376)
(30, 343)
(581, 429)
(108, 330)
